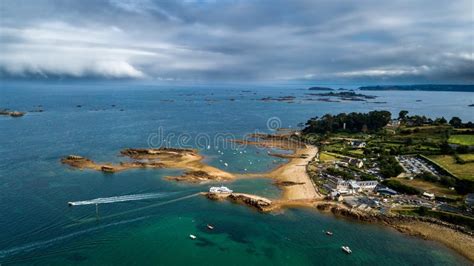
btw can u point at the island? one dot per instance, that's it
(11, 113)
(188, 159)
(345, 95)
(424, 87)
(320, 89)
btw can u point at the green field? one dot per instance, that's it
(463, 171)
(467, 157)
(324, 157)
(435, 188)
(462, 139)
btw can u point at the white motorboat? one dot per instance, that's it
(192, 236)
(346, 249)
(210, 227)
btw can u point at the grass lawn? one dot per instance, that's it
(462, 139)
(429, 186)
(467, 157)
(463, 171)
(357, 151)
(324, 157)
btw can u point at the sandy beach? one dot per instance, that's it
(293, 173)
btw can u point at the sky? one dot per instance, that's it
(231, 40)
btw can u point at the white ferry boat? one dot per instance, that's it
(220, 189)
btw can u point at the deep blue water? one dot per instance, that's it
(37, 226)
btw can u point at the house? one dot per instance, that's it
(359, 144)
(341, 163)
(367, 185)
(394, 123)
(430, 196)
(385, 191)
(336, 196)
(352, 161)
(337, 184)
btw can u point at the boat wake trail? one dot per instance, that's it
(81, 222)
(46, 243)
(119, 199)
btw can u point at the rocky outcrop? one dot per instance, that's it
(186, 159)
(12, 113)
(139, 164)
(288, 183)
(152, 153)
(388, 219)
(76, 161)
(80, 162)
(260, 203)
(195, 177)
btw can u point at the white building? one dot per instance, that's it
(341, 186)
(430, 196)
(352, 161)
(357, 144)
(367, 185)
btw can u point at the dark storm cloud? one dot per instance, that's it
(415, 41)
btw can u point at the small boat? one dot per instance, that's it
(192, 236)
(329, 233)
(346, 249)
(210, 227)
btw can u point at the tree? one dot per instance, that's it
(455, 122)
(389, 166)
(422, 211)
(440, 121)
(402, 114)
(348, 122)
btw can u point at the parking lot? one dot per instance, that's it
(413, 165)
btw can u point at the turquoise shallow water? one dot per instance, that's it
(37, 226)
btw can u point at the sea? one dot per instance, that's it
(137, 217)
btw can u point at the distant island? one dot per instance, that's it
(345, 95)
(425, 87)
(320, 89)
(12, 113)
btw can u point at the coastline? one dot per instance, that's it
(454, 237)
(298, 189)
